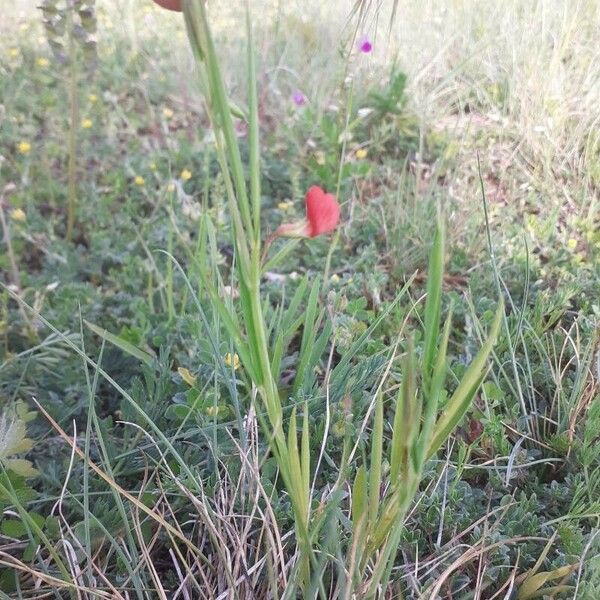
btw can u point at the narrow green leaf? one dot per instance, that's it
(398, 438)
(532, 586)
(406, 424)
(433, 303)
(376, 459)
(308, 335)
(122, 344)
(461, 398)
(305, 450)
(359, 497)
(433, 395)
(253, 134)
(287, 327)
(295, 468)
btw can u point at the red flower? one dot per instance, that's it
(322, 212)
(170, 4)
(322, 216)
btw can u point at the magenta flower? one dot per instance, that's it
(298, 98)
(365, 45)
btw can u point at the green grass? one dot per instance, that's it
(372, 441)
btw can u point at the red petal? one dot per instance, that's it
(170, 4)
(322, 211)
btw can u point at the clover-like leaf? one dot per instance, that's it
(14, 440)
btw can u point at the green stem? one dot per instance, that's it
(72, 141)
(336, 236)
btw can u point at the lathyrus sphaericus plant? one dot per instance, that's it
(418, 431)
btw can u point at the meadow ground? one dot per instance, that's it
(485, 113)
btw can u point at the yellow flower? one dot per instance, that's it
(187, 376)
(186, 175)
(167, 112)
(335, 278)
(18, 214)
(171, 187)
(13, 52)
(42, 61)
(87, 123)
(572, 244)
(232, 361)
(320, 157)
(361, 153)
(92, 98)
(139, 180)
(285, 205)
(24, 147)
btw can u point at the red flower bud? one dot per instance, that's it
(322, 212)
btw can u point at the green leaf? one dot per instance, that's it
(305, 452)
(532, 586)
(359, 497)
(461, 398)
(13, 528)
(433, 303)
(308, 336)
(21, 467)
(178, 412)
(122, 344)
(376, 459)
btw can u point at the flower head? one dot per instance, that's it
(285, 205)
(232, 360)
(365, 45)
(24, 147)
(87, 123)
(167, 112)
(322, 216)
(298, 98)
(186, 175)
(43, 62)
(92, 98)
(18, 214)
(361, 153)
(139, 180)
(322, 211)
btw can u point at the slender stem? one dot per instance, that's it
(72, 141)
(511, 348)
(14, 269)
(170, 298)
(336, 236)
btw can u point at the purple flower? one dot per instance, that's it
(365, 45)
(298, 98)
